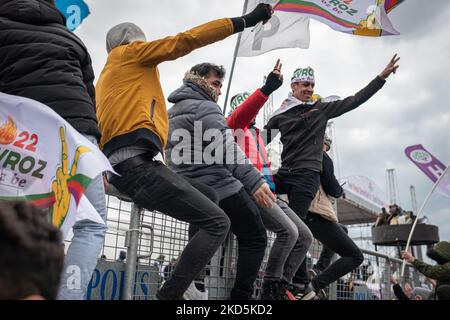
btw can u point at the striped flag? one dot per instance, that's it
(389, 5)
(362, 17)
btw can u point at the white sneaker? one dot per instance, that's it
(192, 293)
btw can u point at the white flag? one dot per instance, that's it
(45, 160)
(283, 30)
(444, 184)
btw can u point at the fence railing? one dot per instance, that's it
(152, 239)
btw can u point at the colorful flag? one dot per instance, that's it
(75, 12)
(431, 166)
(389, 5)
(46, 161)
(361, 17)
(283, 30)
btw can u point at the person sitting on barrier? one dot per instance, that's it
(133, 121)
(333, 235)
(440, 253)
(293, 237)
(219, 164)
(31, 253)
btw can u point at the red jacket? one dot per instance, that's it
(248, 138)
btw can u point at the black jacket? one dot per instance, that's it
(328, 180)
(399, 293)
(303, 127)
(42, 60)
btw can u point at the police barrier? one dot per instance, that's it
(107, 282)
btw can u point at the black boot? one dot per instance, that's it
(271, 290)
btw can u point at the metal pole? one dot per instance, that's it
(236, 49)
(133, 237)
(419, 213)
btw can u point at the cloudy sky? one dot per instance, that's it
(412, 108)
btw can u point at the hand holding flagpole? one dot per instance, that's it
(407, 257)
(265, 21)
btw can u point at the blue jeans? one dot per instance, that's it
(86, 245)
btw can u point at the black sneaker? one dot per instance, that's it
(297, 290)
(273, 290)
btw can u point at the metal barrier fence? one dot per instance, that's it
(152, 240)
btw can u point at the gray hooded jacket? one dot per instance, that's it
(194, 115)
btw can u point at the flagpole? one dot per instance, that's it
(236, 49)
(418, 214)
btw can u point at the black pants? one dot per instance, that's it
(153, 186)
(251, 235)
(212, 195)
(301, 186)
(247, 225)
(333, 236)
(207, 191)
(326, 256)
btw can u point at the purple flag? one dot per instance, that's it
(431, 166)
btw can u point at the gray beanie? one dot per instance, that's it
(123, 33)
(422, 292)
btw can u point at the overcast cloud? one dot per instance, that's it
(412, 108)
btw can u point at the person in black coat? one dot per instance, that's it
(42, 60)
(332, 188)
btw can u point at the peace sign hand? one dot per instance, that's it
(390, 68)
(274, 80)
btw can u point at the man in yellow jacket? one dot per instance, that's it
(133, 121)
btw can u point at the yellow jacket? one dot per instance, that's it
(130, 102)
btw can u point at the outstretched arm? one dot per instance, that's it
(170, 48)
(438, 272)
(336, 108)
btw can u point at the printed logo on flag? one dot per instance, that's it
(22, 167)
(46, 161)
(421, 156)
(75, 12)
(362, 17)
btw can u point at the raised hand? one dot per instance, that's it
(274, 79)
(390, 68)
(263, 12)
(408, 256)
